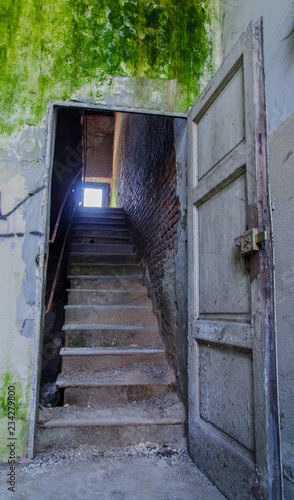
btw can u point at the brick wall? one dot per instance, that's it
(147, 188)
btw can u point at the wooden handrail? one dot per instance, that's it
(62, 207)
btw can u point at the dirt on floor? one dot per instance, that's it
(142, 472)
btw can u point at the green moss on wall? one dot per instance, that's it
(48, 50)
(21, 408)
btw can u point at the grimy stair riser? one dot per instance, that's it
(109, 226)
(138, 298)
(93, 258)
(98, 210)
(105, 248)
(111, 436)
(87, 364)
(108, 283)
(101, 216)
(111, 219)
(97, 233)
(113, 338)
(111, 316)
(101, 220)
(84, 396)
(104, 270)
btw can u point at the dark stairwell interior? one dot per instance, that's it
(148, 179)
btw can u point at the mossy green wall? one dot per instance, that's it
(76, 49)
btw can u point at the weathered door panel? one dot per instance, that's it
(233, 418)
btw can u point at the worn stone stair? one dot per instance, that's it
(118, 386)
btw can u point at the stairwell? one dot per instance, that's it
(118, 386)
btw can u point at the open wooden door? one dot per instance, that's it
(233, 408)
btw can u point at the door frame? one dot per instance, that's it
(51, 126)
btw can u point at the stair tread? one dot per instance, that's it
(128, 375)
(164, 408)
(94, 264)
(95, 276)
(130, 290)
(102, 307)
(103, 254)
(96, 351)
(98, 326)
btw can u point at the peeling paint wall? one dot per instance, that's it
(22, 228)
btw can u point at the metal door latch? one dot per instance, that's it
(248, 241)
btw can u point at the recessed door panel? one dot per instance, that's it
(223, 279)
(226, 376)
(227, 114)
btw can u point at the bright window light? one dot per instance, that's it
(92, 197)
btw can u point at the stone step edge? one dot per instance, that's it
(103, 254)
(102, 351)
(76, 326)
(109, 229)
(99, 421)
(71, 383)
(96, 276)
(88, 264)
(119, 423)
(88, 225)
(129, 290)
(103, 307)
(113, 217)
(114, 236)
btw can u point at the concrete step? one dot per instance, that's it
(121, 315)
(103, 246)
(84, 269)
(121, 385)
(103, 258)
(119, 222)
(98, 215)
(95, 359)
(99, 225)
(147, 338)
(159, 419)
(94, 211)
(123, 235)
(103, 218)
(108, 297)
(106, 282)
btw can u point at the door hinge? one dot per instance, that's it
(248, 242)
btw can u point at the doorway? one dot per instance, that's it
(131, 149)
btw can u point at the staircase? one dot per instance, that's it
(118, 386)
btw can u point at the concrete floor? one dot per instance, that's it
(142, 472)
